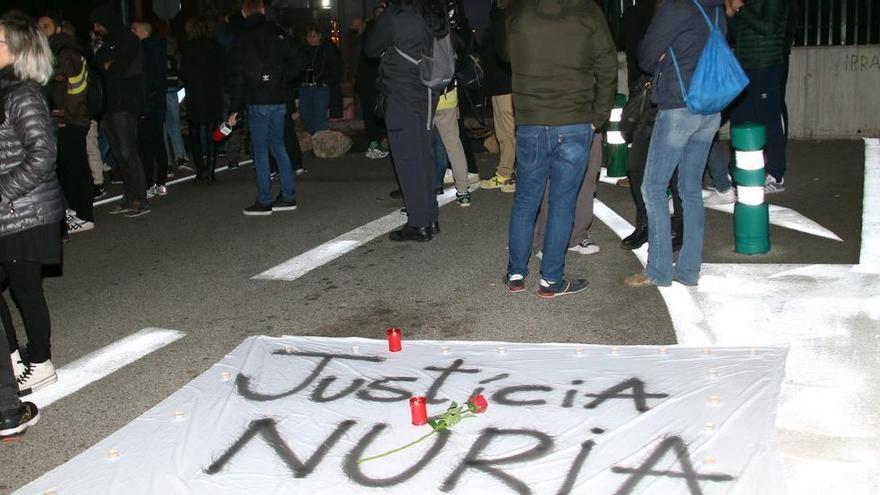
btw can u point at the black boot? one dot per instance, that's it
(409, 233)
(637, 239)
(212, 166)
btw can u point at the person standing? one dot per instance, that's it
(680, 140)
(561, 97)
(203, 70)
(151, 126)
(69, 86)
(262, 63)
(404, 28)
(323, 70)
(759, 29)
(121, 60)
(365, 87)
(31, 203)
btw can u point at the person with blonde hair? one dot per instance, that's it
(31, 211)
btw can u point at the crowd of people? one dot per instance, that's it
(411, 65)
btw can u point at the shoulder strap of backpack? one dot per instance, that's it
(706, 17)
(678, 73)
(407, 57)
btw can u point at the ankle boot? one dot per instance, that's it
(637, 239)
(212, 166)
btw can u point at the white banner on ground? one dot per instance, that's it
(294, 414)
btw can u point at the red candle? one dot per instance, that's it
(419, 409)
(393, 339)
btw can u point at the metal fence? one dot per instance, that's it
(815, 22)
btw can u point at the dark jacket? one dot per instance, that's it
(760, 33)
(124, 77)
(262, 63)
(564, 62)
(323, 65)
(677, 24)
(70, 82)
(400, 27)
(29, 192)
(634, 25)
(155, 76)
(202, 69)
(496, 70)
(367, 68)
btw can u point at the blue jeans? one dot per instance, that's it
(313, 102)
(680, 140)
(559, 153)
(266, 124)
(718, 168)
(441, 160)
(172, 126)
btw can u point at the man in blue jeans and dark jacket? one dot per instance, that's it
(561, 97)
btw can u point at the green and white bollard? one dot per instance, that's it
(615, 146)
(751, 215)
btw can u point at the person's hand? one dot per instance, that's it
(233, 119)
(731, 6)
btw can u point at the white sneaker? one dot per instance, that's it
(473, 178)
(586, 246)
(151, 192)
(75, 224)
(771, 185)
(447, 178)
(17, 363)
(162, 190)
(718, 198)
(539, 255)
(36, 376)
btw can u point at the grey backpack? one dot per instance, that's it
(436, 68)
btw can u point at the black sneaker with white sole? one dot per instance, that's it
(15, 422)
(282, 204)
(257, 209)
(549, 290)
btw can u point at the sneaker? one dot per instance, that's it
(771, 185)
(301, 171)
(586, 246)
(448, 179)
(17, 363)
(549, 290)
(720, 198)
(121, 208)
(539, 255)
(497, 181)
(510, 187)
(162, 190)
(282, 204)
(76, 225)
(257, 209)
(463, 200)
(185, 164)
(15, 422)
(36, 376)
(273, 176)
(515, 282)
(403, 211)
(151, 192)
(99, 192)
(376, 152)
(138, 210)
(473, 177)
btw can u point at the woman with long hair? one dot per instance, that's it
(406, 27)
(202, 69)
(31, 205)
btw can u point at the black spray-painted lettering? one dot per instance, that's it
(472, 460)
(267, 428)
(351, 467)
(378, 385)
(571, 394)
(571, 476)
(320, 389)
(502, 397)
(434, 389)
(691, 477)
(638, 395)
(495, 378)
(243, 382)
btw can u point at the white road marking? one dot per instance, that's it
(103, 362)
(779, 215)
(114, 199)
(869, 259)
(298, 266)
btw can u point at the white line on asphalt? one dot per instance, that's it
(170, 183)
(103, 362)
(869, 258)
(298, 266)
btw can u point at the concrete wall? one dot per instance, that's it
(834, 92)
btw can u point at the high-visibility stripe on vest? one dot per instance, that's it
(78, 83)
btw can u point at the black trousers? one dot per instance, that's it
(637, 161)
(8, 386)
(26, 285)
(411, 148)
(73, 170)
(204, 170)
(373, 124)
(151, 148)
(121, 129)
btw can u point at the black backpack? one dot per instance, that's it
(96, 100)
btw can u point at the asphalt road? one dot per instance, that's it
(189, 266)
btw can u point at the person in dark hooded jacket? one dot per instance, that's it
(680, 139)
(121, 60)
(151, 126)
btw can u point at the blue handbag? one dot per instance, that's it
(718, 78)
